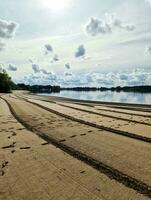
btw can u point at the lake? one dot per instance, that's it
(108, 96)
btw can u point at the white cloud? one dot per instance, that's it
(7, 29)
(1, 67)
(40, 79)
(35, 68)
(115, 22)
(98, 26)
(148, 50)
(111, 79)
(80, 51)
(48, 48)
(137, 76)
(68, 74)
(55, 58)
(67, 66)
(30, 60)
(44, 71)
(12, 67)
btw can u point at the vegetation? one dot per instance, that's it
(39, 88)
(142, 89)
(5, 82)
(49, 88)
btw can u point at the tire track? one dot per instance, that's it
(115, 131)
(145, 109)
(111, 172)
(105, 115)
(139, 115)
(86, 104)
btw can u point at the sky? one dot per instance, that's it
(76, 43)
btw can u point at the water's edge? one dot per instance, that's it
(107, 96)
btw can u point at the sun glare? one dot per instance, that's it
(56, 4)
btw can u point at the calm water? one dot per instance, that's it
(108, 96)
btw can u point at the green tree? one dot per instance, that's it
(5, 82)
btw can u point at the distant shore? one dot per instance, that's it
(49, 88)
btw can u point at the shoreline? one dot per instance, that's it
(94, 102)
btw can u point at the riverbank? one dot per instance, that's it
(65, 149)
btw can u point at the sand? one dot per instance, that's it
(31, 168)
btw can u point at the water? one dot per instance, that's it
(107, 96)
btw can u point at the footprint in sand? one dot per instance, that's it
(73, 136)
(98, 189)
(45, 143)
(20, 129)
(13, 151)
(2, 172)
(83, 134)
(82, 172)
(4, 164)
(12, 145)
(25, 147)
(63, 140)
(14, 134)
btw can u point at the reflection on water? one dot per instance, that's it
(108, 96)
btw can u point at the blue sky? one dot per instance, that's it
(76, 43)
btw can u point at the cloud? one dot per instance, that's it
(2, 45)
(67, 66)
(131, 77)
(139, 76)
(48, 47)
(97, 26)
(124, 78)
(7, 29)
(55, 58)
(30, 60)
(1, 67)
(35, 68)
(114, 22)
(148, 1)
(80, 51)
(68, 74)
(107, 25)
(12, 67)
(148, 50)
(52, 77)
(45, 72)
(40, 79)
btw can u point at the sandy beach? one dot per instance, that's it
(61, 149)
